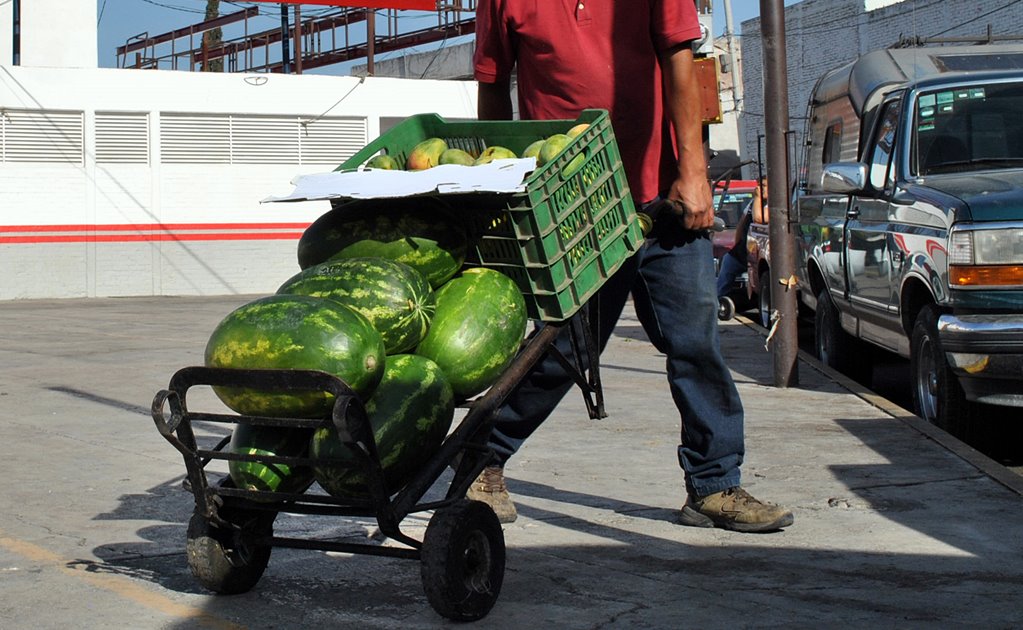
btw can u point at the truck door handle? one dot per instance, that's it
(853, 213)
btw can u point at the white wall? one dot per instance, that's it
(54, 33)
(6, 32)
(121, 182)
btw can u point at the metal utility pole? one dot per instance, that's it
(285, 41)
(371, 40)
(298, 39)
(16, 34)
(784, 334)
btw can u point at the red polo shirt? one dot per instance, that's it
(579, 54)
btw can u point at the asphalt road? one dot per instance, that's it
(1001, 439)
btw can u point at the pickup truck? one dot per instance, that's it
(731, 200)
(909, 210)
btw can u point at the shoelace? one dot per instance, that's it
(742, 497)
(492, 482)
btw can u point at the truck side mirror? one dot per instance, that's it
(844, 177)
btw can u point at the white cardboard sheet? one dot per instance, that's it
(499, 176)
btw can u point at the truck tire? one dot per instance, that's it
(937, 395)
(836, 348)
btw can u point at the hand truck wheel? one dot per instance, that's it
(726, 308)
(226, 560)
(463, 560)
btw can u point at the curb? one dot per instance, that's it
(964, 451)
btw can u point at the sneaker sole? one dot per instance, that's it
(505, 514)
(692, 518)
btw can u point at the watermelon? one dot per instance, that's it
(418, 232)
(295, 332)
(410, 413)
(476, 330)
(250, 439)
(394, 297)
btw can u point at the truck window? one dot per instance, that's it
(833, 143)
(881, 172)
(968, 128)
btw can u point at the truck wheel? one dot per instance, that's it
(463, 560)
(836, 348)
(937, 395)
(229, 561)
(764, 299)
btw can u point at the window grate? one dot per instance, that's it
(122, 138)
(250, 139)
(42, 136)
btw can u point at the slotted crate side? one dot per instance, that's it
(560, 240)
(560, 288)
(556, 188)
(596, 220)
(577, 213)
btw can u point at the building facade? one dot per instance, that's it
(149, 182)
(823, 34)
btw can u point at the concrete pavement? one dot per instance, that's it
(896, 522)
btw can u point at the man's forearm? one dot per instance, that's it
(682, 94)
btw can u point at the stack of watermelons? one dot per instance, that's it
(383, 302)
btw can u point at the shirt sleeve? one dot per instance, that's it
(673, 22)
(494, 57)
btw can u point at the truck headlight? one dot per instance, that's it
(986, 257)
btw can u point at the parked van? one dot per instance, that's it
(910, 222)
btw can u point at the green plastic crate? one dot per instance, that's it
(566, 234)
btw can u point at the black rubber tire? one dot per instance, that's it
(836, 348)
(764, 299)
(726, 308)
(937, 395)
(224, 560)
(463, 560)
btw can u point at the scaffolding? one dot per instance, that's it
(331, 37)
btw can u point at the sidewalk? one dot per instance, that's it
(895, 522)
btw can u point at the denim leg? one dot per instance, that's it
(676, 302)
(729, 271)
(674, 294)
(536, 396)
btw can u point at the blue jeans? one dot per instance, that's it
(731, 268)
(671, 280)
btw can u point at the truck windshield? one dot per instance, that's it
(968, 128)
(730, 208)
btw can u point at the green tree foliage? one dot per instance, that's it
(212, 38)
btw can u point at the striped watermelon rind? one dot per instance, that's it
(419, 232)
(394, 297)
(295, 332)
(476, 330)
(248, 439)
(410, 413)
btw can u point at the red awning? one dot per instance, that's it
(422, 5)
